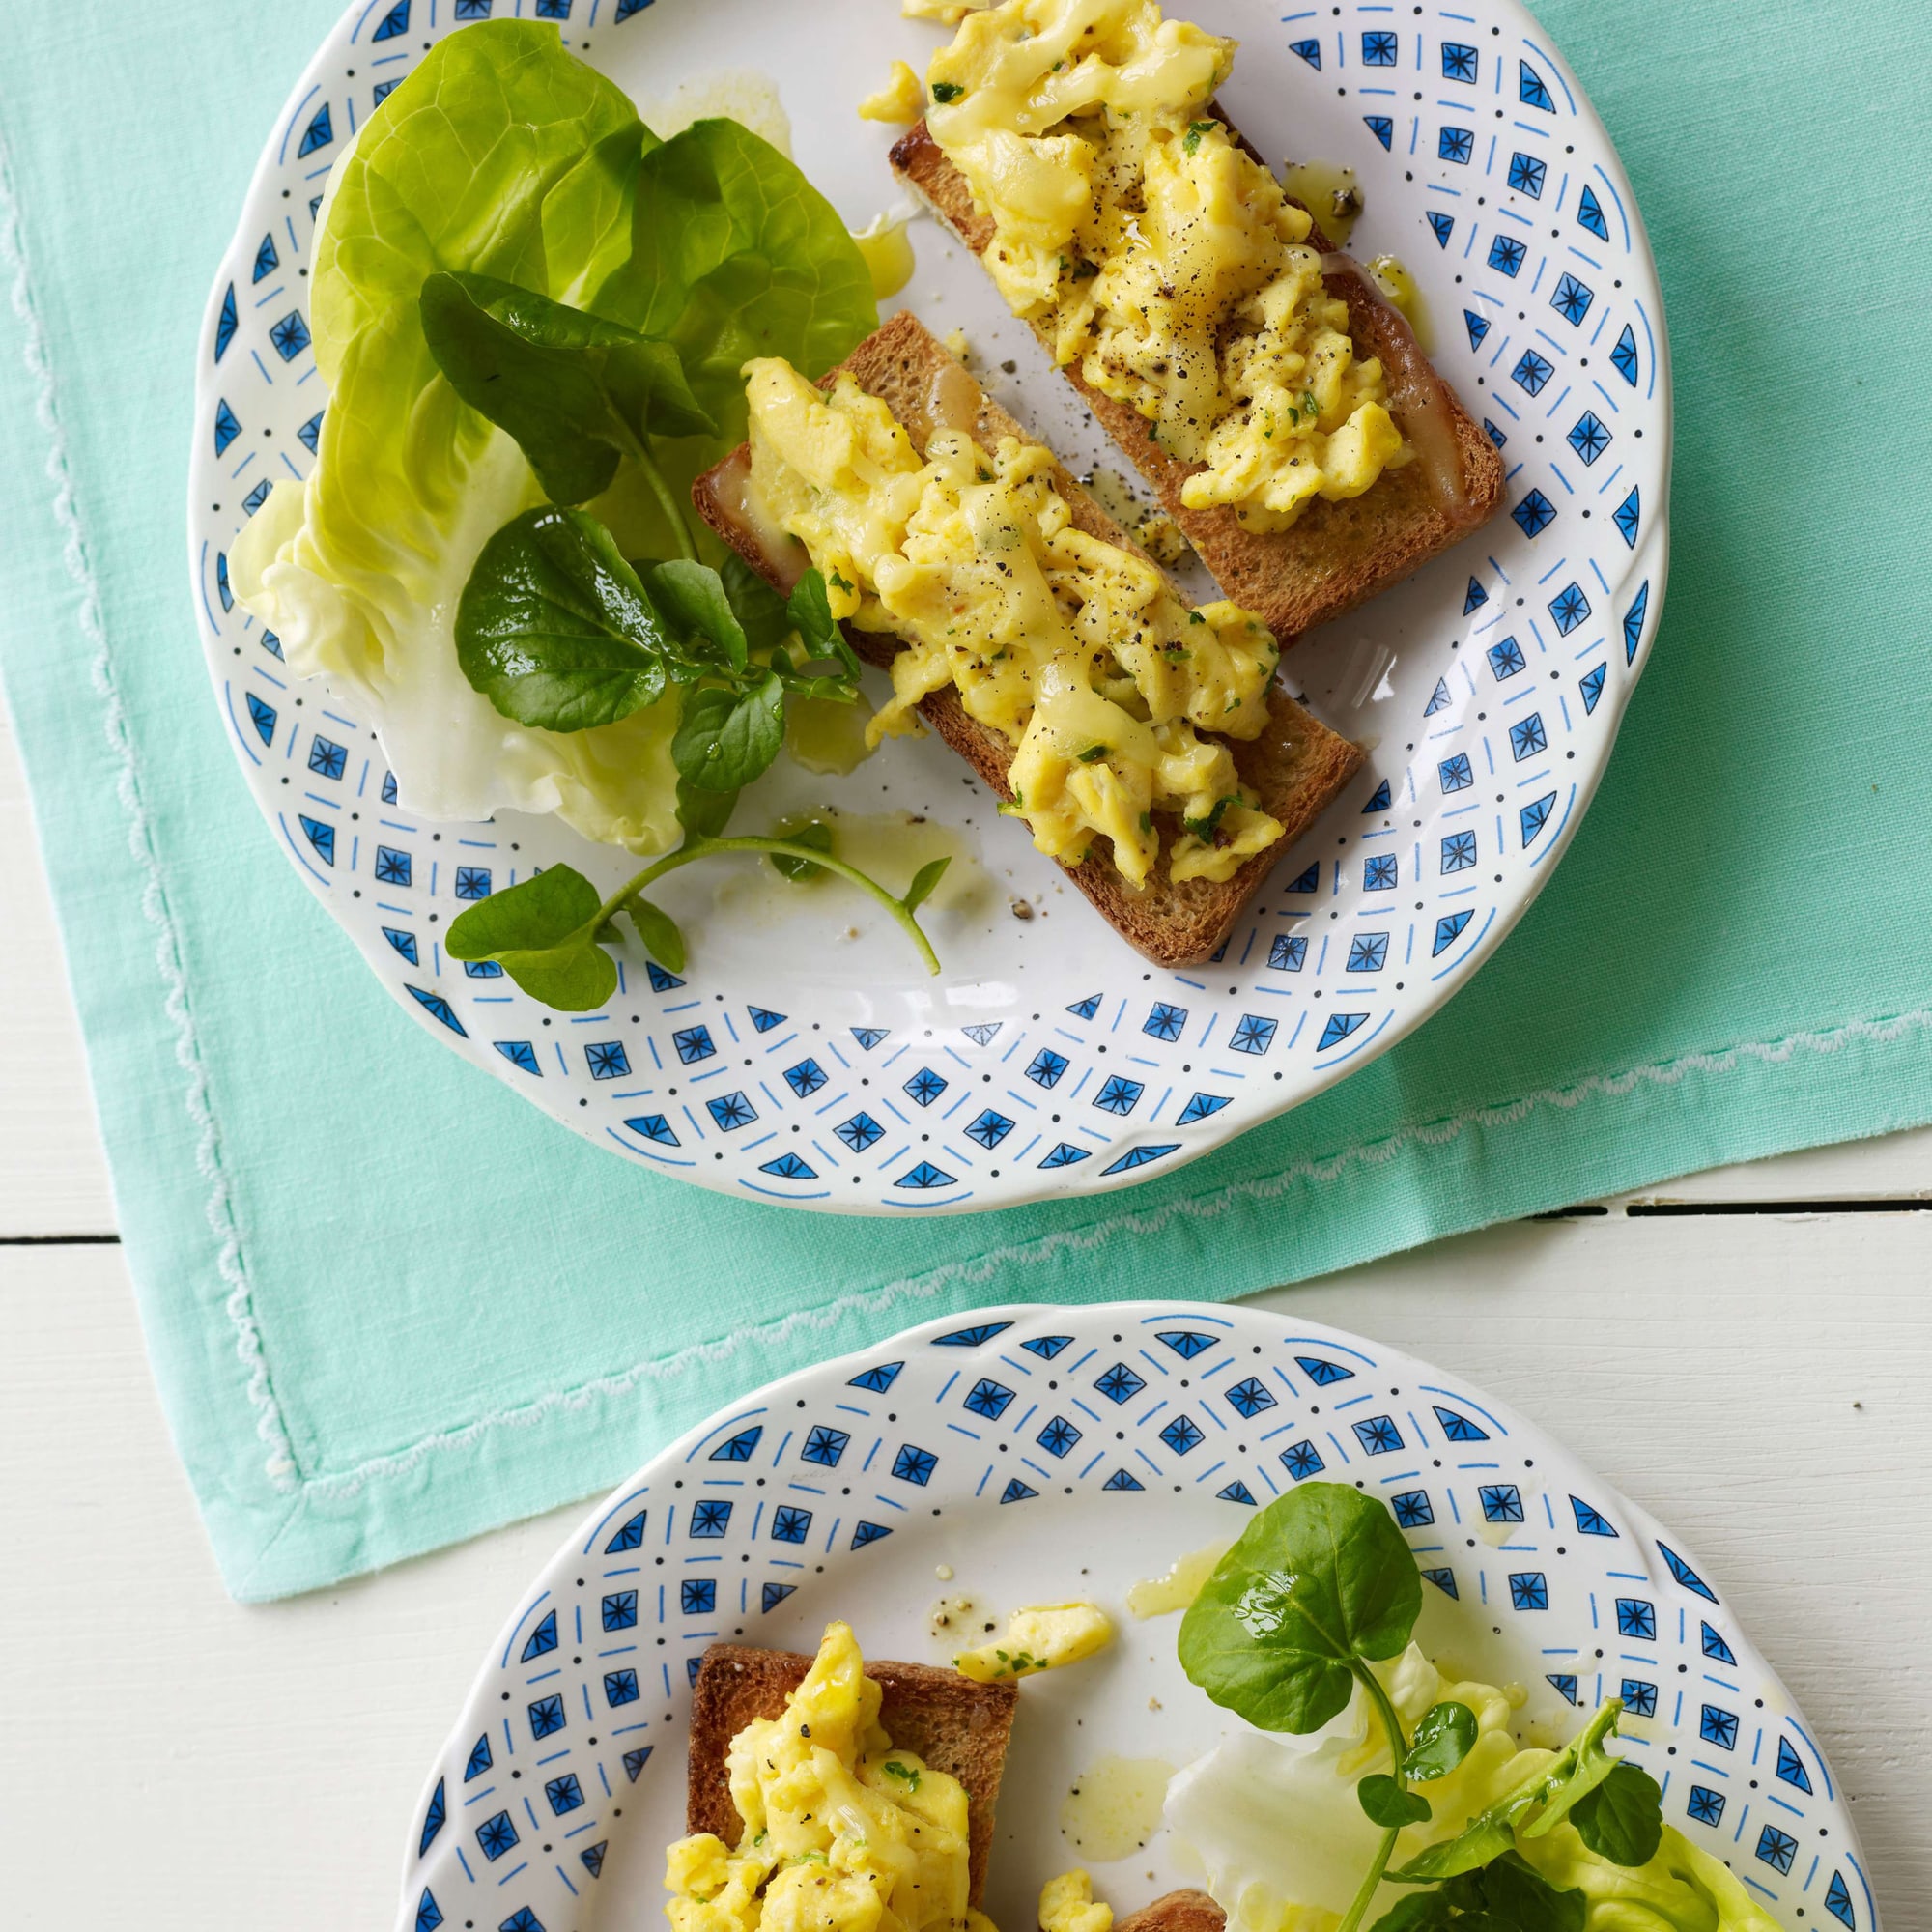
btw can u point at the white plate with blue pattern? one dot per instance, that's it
(1044, 1454)
(804, 1058)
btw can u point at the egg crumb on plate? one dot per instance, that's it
(1067, 1904)
(900, 101)
(1041, 1637)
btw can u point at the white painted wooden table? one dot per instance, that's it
(170, 1760)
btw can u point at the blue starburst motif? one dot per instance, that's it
(1528, 1590)
(1530, 89)
(869, 1037)
(790, 1525)
(226, 427)
(865, 1534)
(620, 1688)
(989, 1399)
(429, 1913)
(1534, 514)
(806, 1078)
(1237, 1491)
(1443, 226)
(925, 1177)
(608, 1059)
(1569, 608)
(620, 1610)
(1302, 1460)
(1591, 687)
(1639, 1699)
(1120, 1384)
(1253, 1034)
(1680, 1569)
(1309, 50)
(914, 1464)
(1412, 1509)
(1534, 817)
(1563, 1682)
(322, 836)
(1339, 1027)
(925, 1087)
(1368, 952)
(878, 1380)
(1378, 1435)
(1478, 327)
(1572, 300)
(1141, 1157)
(1632, 636)
(1590, 1520)
(546, 1716)
(394, 23)
(1456, 144)
(1527, 174)
(697, 1596)
(1249, 1398)
(1459, 62)
(565, 1794)
(692, 1043)
(1201, 1107)
(437, 1008)
(1184, 1434)
(1085, 1010)
(1119, 1094)
(661, 981)
(290, 337)
(435, 1818)
(1532, 372)
(1458, 1428)
(1501, 1502)
(1164, 1021)
(1455, 773)
(473, 882)
(763, 1019)
(1506, 658)
(318, 134)
(1380, 873)
(1440, 699)
(1066, 1154)
(860, 1132)
(1288, 952)
(1507, 256)
(309, 435)
(1624, 357)
(1378, 49)
(552, 10)
(1527, 737)
(1718, 1727)
(732, 1111)
(738, 1448)
(256, 498)
(983, 1034)
(1444, 1580)
(1323, 1374)
(1628, 515)
(1706, 1807)
(1045, 1068)
(1382, 129)
(1838, 1900)
(1120, 1479)
(1308, 881)
(788, 1167)
(1057, 1436)
(480, 1759)
(989, 1129)
(655, 1128)
(228, 322)
(264, 716)
(824, 1445)
(631, 1536)
(1448, 931)
(1713, 1646)
(1589, 437)
(1381, 800)
(1636, 1617)
(495, 1835)
(543, 1640)
(473, 9)
(710, 1518)
(1776, 1848)
(1590, 214)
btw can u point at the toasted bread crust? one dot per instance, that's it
(1177, 1912)
(947, 1720)
(1335, 556)
(1296, 766)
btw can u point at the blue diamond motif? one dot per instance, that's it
(1253, 1034)
(1572, 300)
(1119, 1094)
(1057, 1436)
(1288, 952)
(806, 1078)
(495, 1835)
(1302, 1460)
(565, 1794)
(1448, 931)
(1569, 608)
(619, 1610)
(1183, 1434)
(1380, 873)
(1636, 1617)
(620, 1688)
(290, 337)
(1501, 1502)
(1378, 49)
(608, 1059)
(860, 1132)
(1458, 852)
(1378, 1435)
(1120, 1384)
(710, 1518)
(1624, 357)
(925, 1087)
(1628, 515)
(989, 1129)
(1706, 1807)
(732, 1111)
(1444, 225)
(693, 1044)
(1776, 1848)
(989, 1399)
(327, 760)
(789, 1524)
(1368, 952)
(1527, 737)
(825, 1445)
(914, 1464)
(1531, 91)
(1527, 174)
(1589, 437)
(1528, 1590)
(1382, 127)
(1639, 1699)
(1459, 62)
(1506, 658)
(546, 1716)
(1165, 1022)
(1456, 774)
(1412, 1509)
(1532, 372)
(1534, 514)
(1249, 1398)
(1456, 144)
(1046, 1066)
(1507, 256)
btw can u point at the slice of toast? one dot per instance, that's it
(1296, 766)
(1335, 556)
(1177, 1912)
(947, 1720)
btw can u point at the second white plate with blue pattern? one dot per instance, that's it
(1043, 1454)
(804, 1058)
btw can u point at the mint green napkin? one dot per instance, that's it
(390, 1305)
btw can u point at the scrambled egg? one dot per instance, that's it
(1156, 254)
(1043, 1637)
(1067, 1904)
(902, 100)
(842, 1833)
(1077, 651)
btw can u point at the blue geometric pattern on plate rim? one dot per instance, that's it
(1567, 1587)
(1529, 216)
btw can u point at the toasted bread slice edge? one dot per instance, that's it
(1187, 1910)
(1336, 555)
(947, 1720)
(1296, 766)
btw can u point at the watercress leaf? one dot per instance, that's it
(810, 608)
(735, 254)
(1622, 1820)
(1443, 1738)
(726, 740)
(1483, 1839)
(1511, 1895)
(543, 932)
(924, 883)
(691, 595)
(554, 627)
(1421, 1912)
(817, 836)
(703, 814)
(659, 931)
(1320, 1580)
(1390, 1804)
(761, 610)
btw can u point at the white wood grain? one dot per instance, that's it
(260, 1766)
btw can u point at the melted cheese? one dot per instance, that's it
(1156, 254)
(1077, 651)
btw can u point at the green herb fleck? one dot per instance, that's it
(1194, 134)
(946, 92)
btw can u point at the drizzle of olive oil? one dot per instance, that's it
(826, 736)
(1114, 494)
(1157, 1596)
(1400, 291)
(1113, 1806)
(887, 251)
(891, 846)
(1330, 193)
